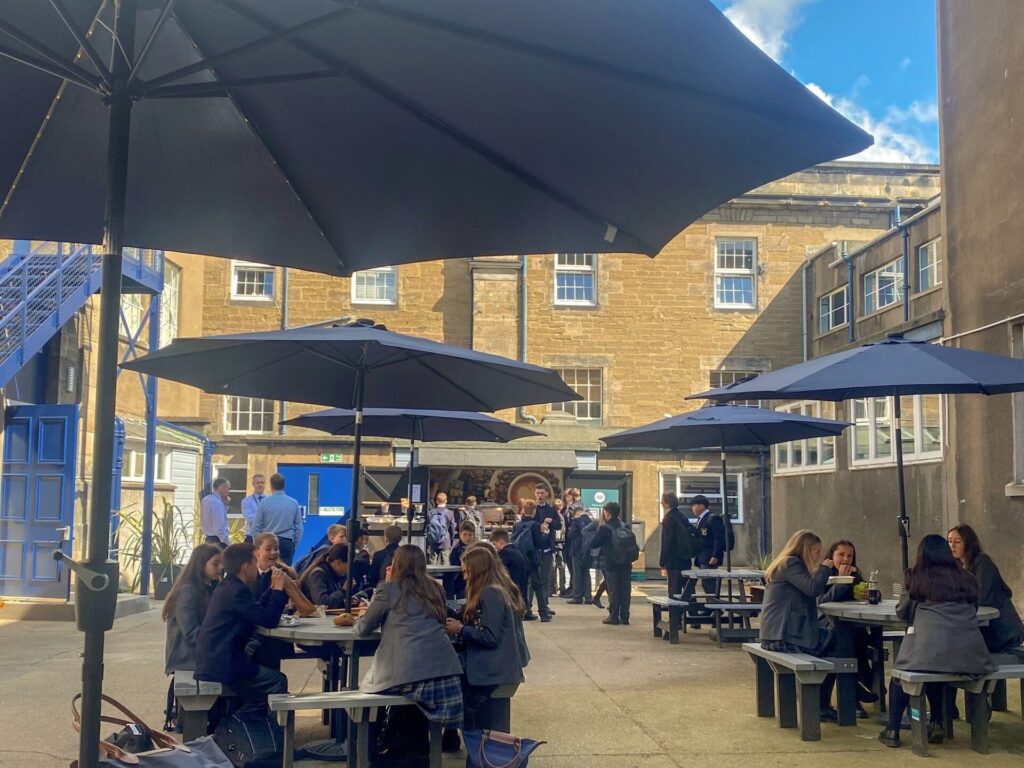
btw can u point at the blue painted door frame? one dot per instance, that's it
(37, 499)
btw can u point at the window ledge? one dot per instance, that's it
(1013, 490)
(570, 305)
(801, 472)
(251, 299)
(892, 463)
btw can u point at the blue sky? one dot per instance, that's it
(873, 60)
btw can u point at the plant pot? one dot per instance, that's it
(756, 593)
(163, 578)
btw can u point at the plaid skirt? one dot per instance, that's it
(439, 698)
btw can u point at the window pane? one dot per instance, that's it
(375, 286)
(782, 456)
(249, 414)
(575, 287)
(587, 383)
(883, 428)
(733, 290)
(861, 430)
(907, 428)
(252, 281)
(931, 423)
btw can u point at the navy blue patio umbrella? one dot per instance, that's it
(424, 426)
(357, 365)
(723, 427)
(893, 367)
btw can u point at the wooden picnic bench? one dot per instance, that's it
(195, 699)
(676, 610)
(976, 692)
(736, 614)
(797, 679)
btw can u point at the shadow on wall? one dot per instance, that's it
(453, 303)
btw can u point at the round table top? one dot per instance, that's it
(746, 574)
(884, 612)
(316, 630)
(444, 569)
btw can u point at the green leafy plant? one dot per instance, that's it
(172, 541)
(761, 563)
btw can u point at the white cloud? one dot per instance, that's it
(893, 143)
(905, 63)
(766, 22)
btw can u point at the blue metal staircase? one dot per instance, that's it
(42, 285)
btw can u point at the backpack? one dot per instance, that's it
(730, 536)
(524, 543)
(585, 553)
(437, 533)
(691, 541)
(250, 741)
(624, 549)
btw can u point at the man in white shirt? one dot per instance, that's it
(251, 502)
(213, 513)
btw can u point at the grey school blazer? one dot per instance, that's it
(496, 649)
(413, 644)
(789, 614)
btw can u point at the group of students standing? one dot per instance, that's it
(950, 578)
(448, 661)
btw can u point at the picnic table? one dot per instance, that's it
(853, 614)
(343, 643)
(435, 569)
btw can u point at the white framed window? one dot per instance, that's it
(375, 286)
(686, 485)
(724, 378)
(882, 286)
(586, 382)
(134, 309)
(248, 415)
(252, 281)
(921, 430)
(170, 302)
(832, 310)
(735, 273)
(929, 265)
(816, 454)
(576, 279)
(134, 467)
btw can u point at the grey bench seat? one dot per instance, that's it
(676, 610)
(195, 698)
(976, 693)
(733, 613)
(796, 678)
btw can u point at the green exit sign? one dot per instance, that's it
(328, 457)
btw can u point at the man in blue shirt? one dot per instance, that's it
(251, 502)
(213, 513)
(279, 514)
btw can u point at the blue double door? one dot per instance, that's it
(37, 499)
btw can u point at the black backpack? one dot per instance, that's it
(525, 544)
(250, 741)
(624, 549)
(691, 541)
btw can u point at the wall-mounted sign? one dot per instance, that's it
(329, 457)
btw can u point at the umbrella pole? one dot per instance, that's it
(725, 520)
(904, 520)
(408, 493)
(353, 513)
(94, 609)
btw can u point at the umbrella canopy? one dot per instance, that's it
(338, 135)
(422, 426)
(721, 427)
(893, 367)
(324, 366)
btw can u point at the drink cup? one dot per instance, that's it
(874, 595)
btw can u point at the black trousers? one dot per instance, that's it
(619, 589)
(287, 550)
(900, 700)
(537, 588)
(676, 580)
(252, 691)
(580, 580)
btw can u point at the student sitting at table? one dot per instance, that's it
(490, 630)
(324, 581)
(336, 534)
(415, 657)
(1006, 631)
(230, 622)
(455, 583)
(940, 605)
(789, 615)
(843, 555)
(268, 557)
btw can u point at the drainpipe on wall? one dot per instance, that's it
(905, 232)
(282, 406)
(851, 310)
(522, 334)
(766, 514)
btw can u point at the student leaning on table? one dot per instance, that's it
(789, 614)
(940, 606)
(415, 657)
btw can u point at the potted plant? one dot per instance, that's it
(757, 590)
(171, 545)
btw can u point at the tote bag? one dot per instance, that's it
(493, 749)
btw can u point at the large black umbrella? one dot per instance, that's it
(724, 427)
(423, 426)
(338, 135)
(356, 365)
(890, 368)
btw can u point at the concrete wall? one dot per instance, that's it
(981, 84)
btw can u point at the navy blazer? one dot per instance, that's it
(515, 563)
(712, 531)
(381, 559)
(230, 621)
(496, 649)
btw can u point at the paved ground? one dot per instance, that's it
(602, 697)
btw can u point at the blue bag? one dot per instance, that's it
(493, 749)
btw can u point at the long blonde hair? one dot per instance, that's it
(799, 545)
(484, 569)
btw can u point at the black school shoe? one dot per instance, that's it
(936, 733)
(450, 740)
(865, 695)
(829, 715)
(890, 738)
(529, 616)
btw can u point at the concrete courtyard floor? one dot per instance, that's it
(602, 697)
